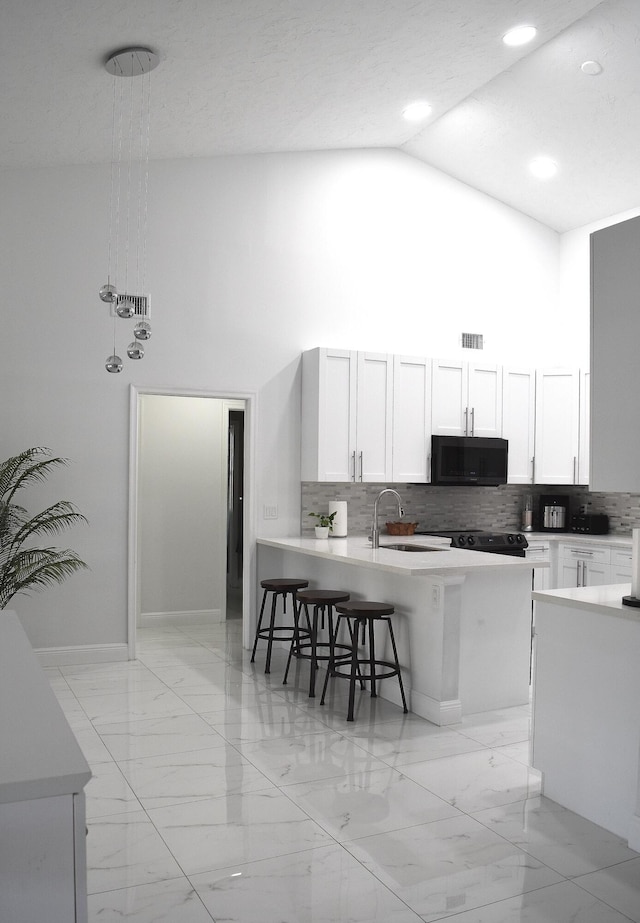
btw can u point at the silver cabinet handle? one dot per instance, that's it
(466, 421)
(533, 470)
(575, 480)
(361, 465)
(429, 468)
(578, 563)
(353, 459)
(473, 421)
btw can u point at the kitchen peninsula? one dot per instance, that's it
(463, 618)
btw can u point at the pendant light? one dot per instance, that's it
(125, 289)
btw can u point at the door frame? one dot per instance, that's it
(249, 519)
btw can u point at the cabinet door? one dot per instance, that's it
(518, 419)
(556, 437)
(411, 420)
(449, 398)
(595, 574)
(584, 427)
(569, 573)
(374, 417)
(484, 400)
(328, 414)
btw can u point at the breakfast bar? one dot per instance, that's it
(463, 618)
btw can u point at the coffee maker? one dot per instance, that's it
(554, 513)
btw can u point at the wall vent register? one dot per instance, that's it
(472, 341)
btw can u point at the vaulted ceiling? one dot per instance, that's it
(256, 76)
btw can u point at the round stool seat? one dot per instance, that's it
(360, 608)
(322, 597)
(283, 584)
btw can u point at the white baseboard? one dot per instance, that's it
(82, 653)
(634, 832)
(193, 617)
(440, 713)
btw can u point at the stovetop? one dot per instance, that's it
(480, 540)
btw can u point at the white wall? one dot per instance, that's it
(251, 260)
(181, 509)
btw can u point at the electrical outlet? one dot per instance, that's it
(269, 512)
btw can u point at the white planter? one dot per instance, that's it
(322, 531)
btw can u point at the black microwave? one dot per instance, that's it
(468, 460)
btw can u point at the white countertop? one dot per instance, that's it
(442, 559)
(621, 541)
(39, 755)
(604, 599)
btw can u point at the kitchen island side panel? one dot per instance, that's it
(586, 713)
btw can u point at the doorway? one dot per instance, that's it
(189, 483)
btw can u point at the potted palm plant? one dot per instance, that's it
(325, 524)
(22, 565)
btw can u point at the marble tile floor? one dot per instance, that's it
(218, 794)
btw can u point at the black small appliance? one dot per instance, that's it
(590, 523)
(465, 460)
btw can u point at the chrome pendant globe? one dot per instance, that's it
(108, 293)
(113, 364)
(126, 308)
(142, 330)
(135, 350)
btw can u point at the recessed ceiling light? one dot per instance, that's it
(543, 167)
(591, 68)
(417, 111)
(519, 36)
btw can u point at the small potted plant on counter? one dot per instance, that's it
(325, 524)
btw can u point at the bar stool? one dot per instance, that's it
(366, 668)
(279, 586)
(323, 602)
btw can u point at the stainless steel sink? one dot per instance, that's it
(405, 546)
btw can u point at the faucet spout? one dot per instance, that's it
(375, 529)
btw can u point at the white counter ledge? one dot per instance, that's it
(441, 559)
(42, 776)
(607, 600)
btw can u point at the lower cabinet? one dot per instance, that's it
(590, 564)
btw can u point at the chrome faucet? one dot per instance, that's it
(374, 538)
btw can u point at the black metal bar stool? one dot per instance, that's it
(366, 668)
(279, 586)
(323, 602)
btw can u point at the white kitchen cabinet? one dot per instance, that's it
(518, 422)
(584, 427)
(411, 442)
(346, 415)
(621, 565)
(583, 565)
(557, 426)
(466, 399)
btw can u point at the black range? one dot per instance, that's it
(513, 543)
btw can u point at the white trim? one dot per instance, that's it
(634, 832)
(81, 653)
(440, 713)
(193, 616)
(249, 502)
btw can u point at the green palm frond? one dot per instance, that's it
(23, 568)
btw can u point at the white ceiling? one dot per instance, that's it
(249, 76)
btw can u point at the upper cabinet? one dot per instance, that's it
(557, 426)
(346, 415)
(518, 422)
(411, 443)
(615, 334)
(370, 416)
(467, 399)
